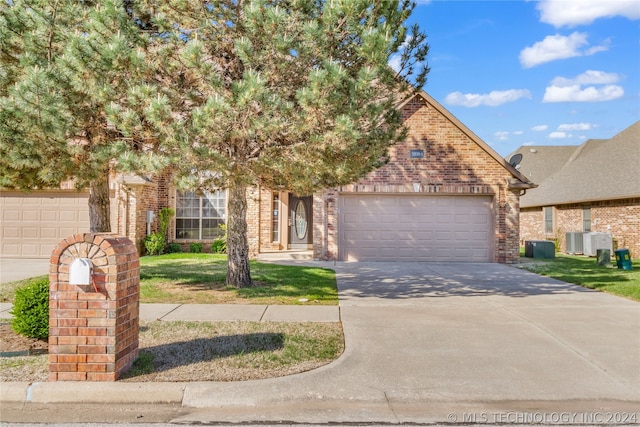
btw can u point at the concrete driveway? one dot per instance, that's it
(435, 343)
(12, 269)
(454, 343)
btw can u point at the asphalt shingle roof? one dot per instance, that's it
(599, 169)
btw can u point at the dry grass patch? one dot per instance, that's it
(233, 351)
(213, 351)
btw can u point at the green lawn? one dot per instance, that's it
(584, 271)
(199, 279)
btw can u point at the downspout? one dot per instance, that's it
(325, 220)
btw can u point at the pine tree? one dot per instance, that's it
(290, 94)
(64, 64)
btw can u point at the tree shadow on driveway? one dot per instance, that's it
(402, 281)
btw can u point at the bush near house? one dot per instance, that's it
(154, 243)
(31, 309)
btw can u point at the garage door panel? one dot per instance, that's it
(30, 251)
(10, 215)
(387, 218)
(30, 233)
(10, 232)
(443, 218)
(385, 202)
(415, 228)
(48, 233)
(49, 215)
(422, 235)
(30, 215)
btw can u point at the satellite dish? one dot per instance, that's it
(515, 160)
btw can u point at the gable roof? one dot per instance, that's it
(519, 180)
(599, 169)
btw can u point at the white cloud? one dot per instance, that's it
(559, 135)
(580, 12)
(558, 47)
(540, 128)
(394, 62)
(587, 78)
(501, 135)
(492, 99)
(576, 126)
(590, 86)
(575, 93)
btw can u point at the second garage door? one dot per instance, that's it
(415, 228)
(34, 223)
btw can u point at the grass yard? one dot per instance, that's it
(212, 351)
(199, 279)
(584, 271)
(8, 290)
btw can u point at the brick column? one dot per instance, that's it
(93, 329)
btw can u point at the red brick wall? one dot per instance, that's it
(453, 164)
(621, 218)
(254, 215)
(93, 335)
(133, 201)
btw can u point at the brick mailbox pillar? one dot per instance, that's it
(94, 314)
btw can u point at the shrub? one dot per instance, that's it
(219, 246)
(195, 247)
(154, 243)
(173, 248)
(31, 309)
(164, 216)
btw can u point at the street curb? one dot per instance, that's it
(13, 392)
(93, 392)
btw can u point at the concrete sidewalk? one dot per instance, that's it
(425, 343)
(227, 312)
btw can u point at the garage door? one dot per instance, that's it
(34, 223)
(415, 228)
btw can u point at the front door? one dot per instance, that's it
(300, 225)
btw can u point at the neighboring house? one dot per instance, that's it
(591, 187)
(444, 195)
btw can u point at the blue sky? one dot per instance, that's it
(549, 72)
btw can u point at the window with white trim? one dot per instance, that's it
(200, 217)
(548, 219)
(275, 218)
(586, 218)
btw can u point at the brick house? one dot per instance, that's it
(443, 195)
(591, 187)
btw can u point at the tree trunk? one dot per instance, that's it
(99, 208)
(238, 273)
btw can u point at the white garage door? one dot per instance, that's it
(34, 223)
(415, 228)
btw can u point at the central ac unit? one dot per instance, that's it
(574, 243)
(593, 241)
